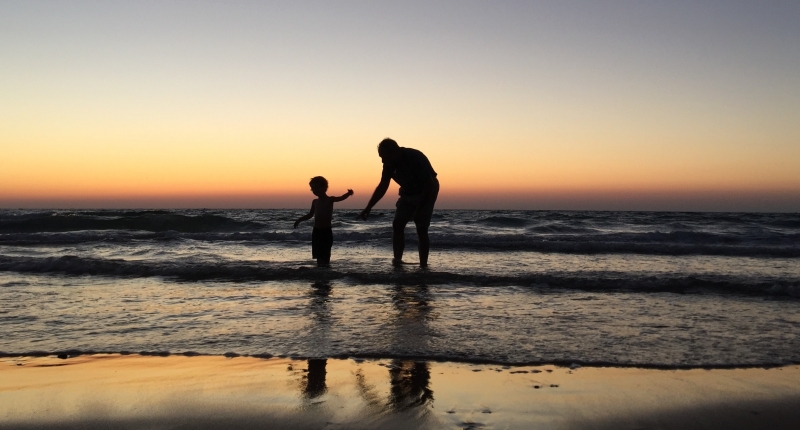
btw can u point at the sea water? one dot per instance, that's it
(618, 288)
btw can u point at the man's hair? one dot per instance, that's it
(319, 181)
(387, 144)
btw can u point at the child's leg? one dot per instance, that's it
(315, 253)
(328, 246)
(326, 243)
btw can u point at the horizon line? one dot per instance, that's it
(764, 201)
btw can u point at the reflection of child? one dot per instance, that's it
(322, 211)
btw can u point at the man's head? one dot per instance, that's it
(387, 149)
(319, 185)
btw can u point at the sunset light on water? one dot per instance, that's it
(428, 215)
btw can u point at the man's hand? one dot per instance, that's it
(296, 223)
(364, 214)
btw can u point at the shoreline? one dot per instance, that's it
(205, 391)
(74, 353)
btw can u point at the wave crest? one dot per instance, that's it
(244, 271)
(154, 221)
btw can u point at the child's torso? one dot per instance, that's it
(323, 212)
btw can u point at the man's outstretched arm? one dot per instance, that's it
(380, 191)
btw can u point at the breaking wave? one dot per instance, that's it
(648, 243)
(153, 221)
(245, 271)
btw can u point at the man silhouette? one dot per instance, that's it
(419, 188)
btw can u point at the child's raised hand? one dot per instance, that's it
(350, 192)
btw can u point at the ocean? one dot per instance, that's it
(650, 289)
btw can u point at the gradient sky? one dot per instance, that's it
(672, 105)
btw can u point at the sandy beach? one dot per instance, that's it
(133, 391)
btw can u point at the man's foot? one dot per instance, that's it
(398, 263)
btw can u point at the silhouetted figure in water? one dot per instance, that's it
(419, 188)
(315, 378)
(322, 211)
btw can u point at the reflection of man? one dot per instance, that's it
(315, 382)
(409, 381)
(418, 191)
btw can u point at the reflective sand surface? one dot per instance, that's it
(132, 391)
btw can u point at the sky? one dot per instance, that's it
(595, 105)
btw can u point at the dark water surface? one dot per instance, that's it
(660, 289)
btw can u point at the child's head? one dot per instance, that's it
(319, 185)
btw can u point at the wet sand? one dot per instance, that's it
(210, 392)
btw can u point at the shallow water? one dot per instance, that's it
(452, 321)
(652, 289)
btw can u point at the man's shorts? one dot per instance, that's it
(321, 243)
(417, 208)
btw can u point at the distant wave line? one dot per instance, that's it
(617, 243)
(239, 271)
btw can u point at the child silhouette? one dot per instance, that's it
(322, 211)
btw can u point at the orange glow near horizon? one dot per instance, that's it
(203, 161)
(140, 167)
(227, 104)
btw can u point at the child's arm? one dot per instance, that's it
(343, 196)
(306, 216)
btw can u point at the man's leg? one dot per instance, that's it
(401, 217)
(424, 245)
(422, 219)
(399, 239)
